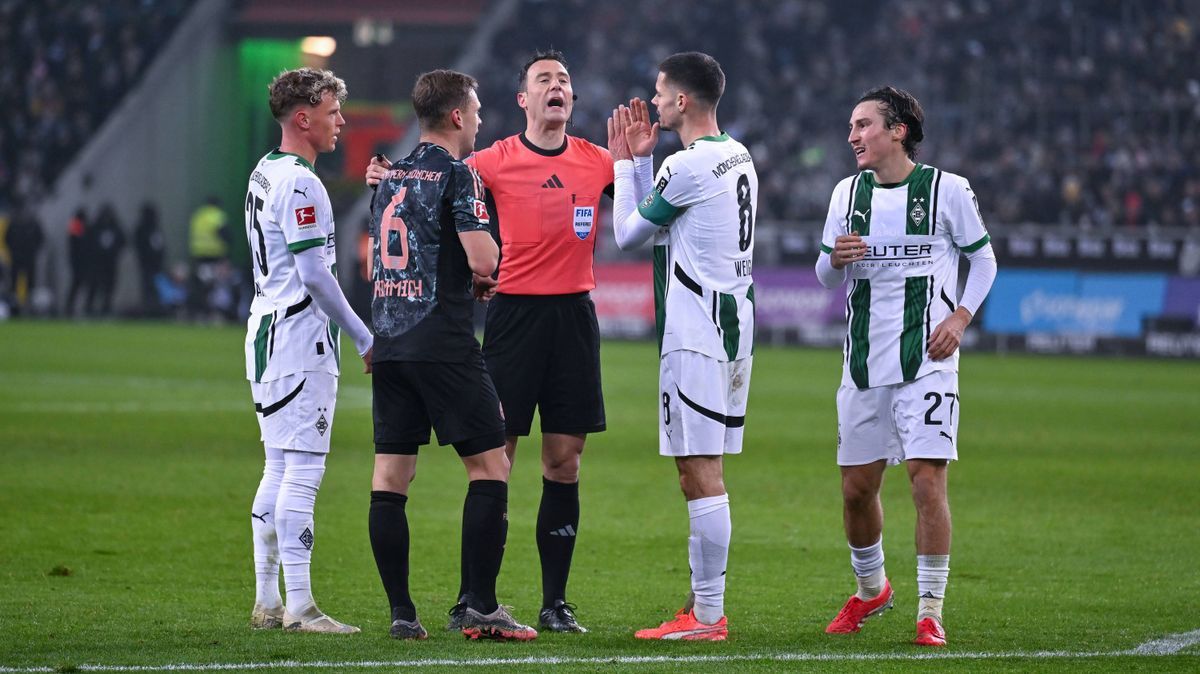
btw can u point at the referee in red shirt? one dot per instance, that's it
(541, 339)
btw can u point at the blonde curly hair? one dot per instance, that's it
(303, 86)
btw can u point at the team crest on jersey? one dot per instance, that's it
(584, 215)
(306, 538)
(917, 214)
(306, 216)
(322, 425)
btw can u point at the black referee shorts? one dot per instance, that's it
(543, 351)
(457, 400)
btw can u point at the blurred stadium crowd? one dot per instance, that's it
(1068, 112)
(1079, 113)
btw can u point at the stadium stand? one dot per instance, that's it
(67, 65)
(1075, 113)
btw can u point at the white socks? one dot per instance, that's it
(294, 523)
(933, 571)
(708, 553)
(266, 545)
(868, 569)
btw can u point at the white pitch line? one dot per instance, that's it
(1166, 646)
(1169, 644)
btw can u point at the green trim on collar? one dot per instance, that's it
(716, 139)
(276, 154)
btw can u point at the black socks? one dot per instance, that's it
(485, 530)
(557, 522)
(388, 525)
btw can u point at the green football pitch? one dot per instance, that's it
(129, 455)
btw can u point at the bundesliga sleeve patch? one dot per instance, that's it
(306, 217)
(481, 213)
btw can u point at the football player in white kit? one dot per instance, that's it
(292, 343)
(700, 213)
(895, 232)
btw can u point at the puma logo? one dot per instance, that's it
(262, 517)
(303, 193)
(862, 214)
(947, 435)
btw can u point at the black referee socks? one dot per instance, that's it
(557, 524)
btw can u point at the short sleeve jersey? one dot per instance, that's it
(705, 200)
(546, 205)
(908, 282)
(287, 212)
(422, 308)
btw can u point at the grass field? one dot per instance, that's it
(129, 455)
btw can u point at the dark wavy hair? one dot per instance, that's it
(900, 107)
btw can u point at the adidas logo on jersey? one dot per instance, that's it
(553, 182)
(567, 531)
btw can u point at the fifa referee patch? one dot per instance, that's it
(584, 216)
(306, 216)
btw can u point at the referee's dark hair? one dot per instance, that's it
(439, 92)
(900, 107)
(696, 74)
(550, 54)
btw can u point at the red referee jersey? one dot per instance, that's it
(547, 204)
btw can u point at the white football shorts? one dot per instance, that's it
(911, 420)
(702, 404)
(296, 411)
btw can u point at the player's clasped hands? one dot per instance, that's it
(847, 248)
(630, 133)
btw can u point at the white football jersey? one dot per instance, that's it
(705, 199)
(908, 282)
(287, 211)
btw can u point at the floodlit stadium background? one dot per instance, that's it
(1078, 125)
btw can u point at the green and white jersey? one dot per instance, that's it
(705, 200)
(287, 211)
(908, 282)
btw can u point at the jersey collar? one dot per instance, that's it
(716, 139)
(545, 153)
(276, 154)
(869, 176)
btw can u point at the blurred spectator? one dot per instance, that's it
(107, 241)
(171, 290)
(208, 245)
(79, 259)
(24, 239)
(151, 249)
